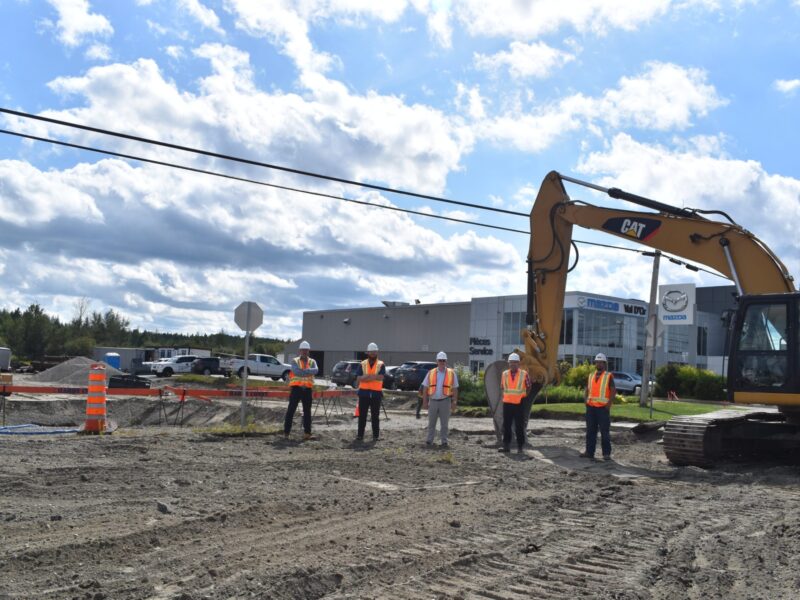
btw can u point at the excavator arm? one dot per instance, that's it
(723, 246)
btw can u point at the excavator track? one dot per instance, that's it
(704, 440)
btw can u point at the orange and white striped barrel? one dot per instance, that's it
(96, 400)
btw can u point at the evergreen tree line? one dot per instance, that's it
(32, 334)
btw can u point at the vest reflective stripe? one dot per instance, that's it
(599, 390)
(304, 380)
(374, 386)
(513, 387)
(447, 384)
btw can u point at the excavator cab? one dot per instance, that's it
(764, 366)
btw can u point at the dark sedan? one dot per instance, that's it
(207, 365)
(344, 372)
(409, 376)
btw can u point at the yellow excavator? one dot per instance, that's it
(764, 358)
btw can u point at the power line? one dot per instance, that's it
(254, 181)
(256, 163)
(322, 194)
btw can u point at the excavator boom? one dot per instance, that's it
(764, 366)
(723, 246)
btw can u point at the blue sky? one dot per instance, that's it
(691, 102)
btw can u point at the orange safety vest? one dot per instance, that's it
(373, 386)
(449, 376)
(514, 389)
(600, 389)
(304, 380)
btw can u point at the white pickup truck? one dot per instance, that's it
(176, 364)
(258, 364)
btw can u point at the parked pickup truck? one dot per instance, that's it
(176, 364)
(258, 364)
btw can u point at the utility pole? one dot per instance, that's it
(652, 330)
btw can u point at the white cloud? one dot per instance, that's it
(766, 204)
(26, 196)
(665, 96)
(525, 60)
(98, 52)
(76, 22)
(202, 14)
(174, 51)
(469, 100)
(787, 86)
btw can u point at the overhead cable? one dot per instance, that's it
(256, 163)
(318, 194)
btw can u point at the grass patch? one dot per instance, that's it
(472, 411)
(447, 457)
(662, 410)
(231, 430)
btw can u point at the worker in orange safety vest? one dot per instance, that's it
(599, 394)
(301, 385)
(369, 376)
(515, 384)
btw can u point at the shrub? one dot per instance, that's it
(710, 386)
(687, 381)
(578, 376)
(470, 388)
(690, 382)
(667, 380)
(559, 394)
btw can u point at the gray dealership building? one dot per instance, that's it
(483, 330)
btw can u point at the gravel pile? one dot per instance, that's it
(74, 371)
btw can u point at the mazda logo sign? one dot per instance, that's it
(675, 301)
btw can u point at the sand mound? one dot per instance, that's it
(74, 371)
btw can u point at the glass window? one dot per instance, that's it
(566, 327)
(513, 323)
(764, 328)
(762, 359)
(702, 341)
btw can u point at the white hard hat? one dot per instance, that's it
(441, 356)
(601, 357)
(304, 345)
(513, 356)
(373, 347)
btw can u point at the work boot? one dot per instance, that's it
(606, 457)
(286, 435)
(586, 455)
(520, 450)
(307, 436)
(418, 415)
(504, 449)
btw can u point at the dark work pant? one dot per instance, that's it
(369, 400)
(598, 418)
(298, 394)
(513, 413)
(419, 405)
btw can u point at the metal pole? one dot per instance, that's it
(246, 367)
(652, 327)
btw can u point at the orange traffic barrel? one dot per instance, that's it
(96, 416)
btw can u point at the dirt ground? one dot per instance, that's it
(169, 512)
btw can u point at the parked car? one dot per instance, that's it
(627, 383)
(409, 376)
(176, 364)
(258, 364)
(208, 365)
(344, 372)
(388, 379)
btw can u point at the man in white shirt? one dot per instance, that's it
(440, 396)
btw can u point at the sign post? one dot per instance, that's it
(249, 317)
(652, 330)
